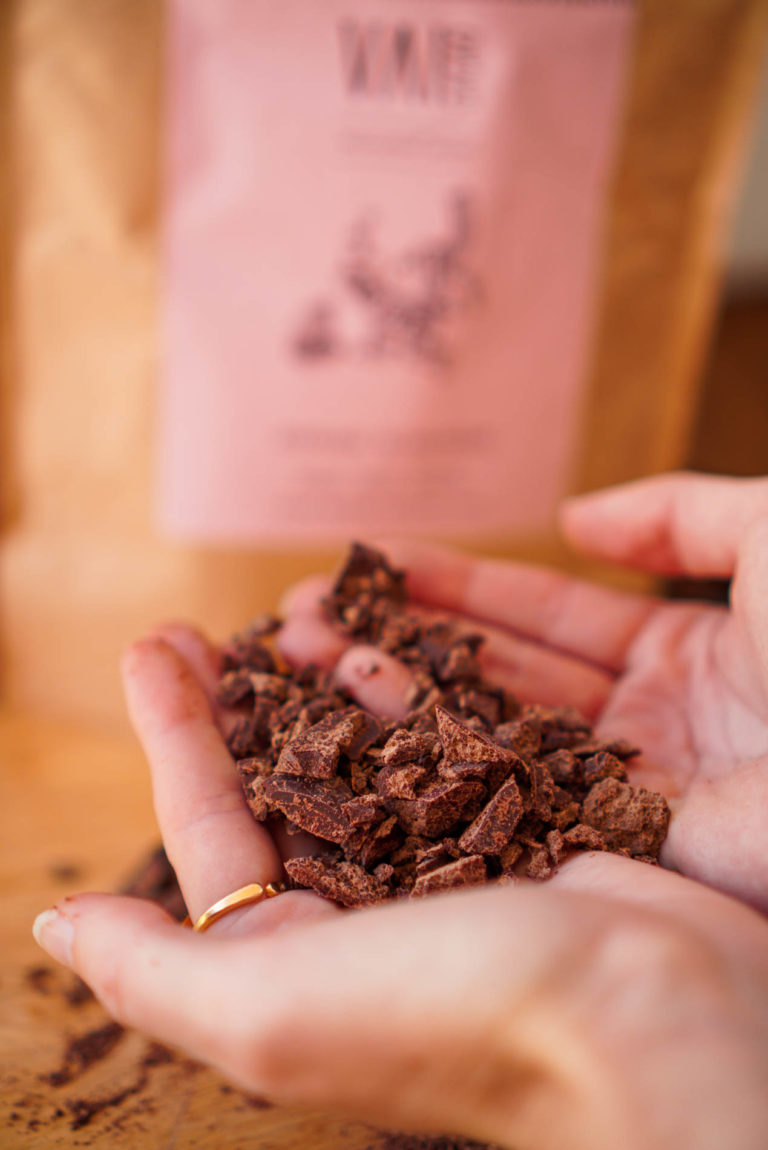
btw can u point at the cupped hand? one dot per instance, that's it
(617, 1005)
(686, 682)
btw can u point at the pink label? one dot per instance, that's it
(382, 235)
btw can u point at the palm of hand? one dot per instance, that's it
(690, 695)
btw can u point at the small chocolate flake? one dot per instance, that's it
(467, 871)
(631, 819)
(494, 827)
(342, 882)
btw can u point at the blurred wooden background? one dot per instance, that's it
(83, 569)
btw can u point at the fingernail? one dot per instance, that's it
(55, 933)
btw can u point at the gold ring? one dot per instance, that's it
(245, 896)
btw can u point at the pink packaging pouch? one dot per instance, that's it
(382, 237)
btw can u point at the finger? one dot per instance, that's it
(748, 633)
(685, 897)
(578, 618)
(298, 1029)
(717, 835)
(199, 653)
(309, 638)
(378, 681)
(672, 524)
(536, 674)
(304, 597)
(529, 670)
(210, 835)
(191, 990)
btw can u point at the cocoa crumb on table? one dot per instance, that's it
(513, 788)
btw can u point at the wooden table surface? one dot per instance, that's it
(75, 813)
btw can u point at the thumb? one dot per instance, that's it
(153, 974)
(671, 524)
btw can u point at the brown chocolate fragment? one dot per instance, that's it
(540, 865)
(438, 807)
(521, 736)
(542, 791)
(400, 782)
(253, 789)
(315, 753)
(463, 744)
(510, 856)
(404, 746)
(556, 845)
(315, 805)
(584, 836)
(494, 827)
(365, 581)
(467, 871)
(340, 881)
(565, 768)
(603, 765)
(630, 819)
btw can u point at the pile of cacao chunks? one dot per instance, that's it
(469, 787)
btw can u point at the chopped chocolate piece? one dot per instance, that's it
(410, 747)
(247, 650)
(565, 769)
(409, 849)
(565, 810)
(315, 805)
(364, 811)
(556, 845)
(521, 736)
(630, 818)
(315, 753)
(540, 866)
(384, 872)
(485, 705)
(621, 748)
(360, 774)
(340, 881)
(461, 662)
(462, 744)
(494, 827)
(603, 765)
(467, 871)
(253, 765)
(438, 808)
(542, 791)
(400, 782)
(365, 577)
(584, 836)
(378, 842)
(234, 688)
(270, 686)
(493, 774)
(244, 739)
(253, 789)
(509, 857)
(450, 656)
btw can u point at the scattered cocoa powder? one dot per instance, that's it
(83, 1050)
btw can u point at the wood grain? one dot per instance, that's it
(74, 798)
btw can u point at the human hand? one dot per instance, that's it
(619, 1005)
(688, 683)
